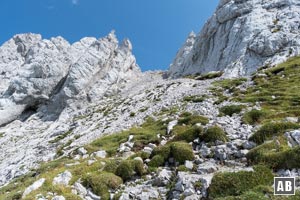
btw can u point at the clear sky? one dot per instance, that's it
(156, 28)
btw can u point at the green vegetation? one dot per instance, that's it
(132, 114)
(60, 137)
(143, 135)
(261, 192)
(101, 182)
(188, 134)
(127, 168)
(210, 75)
(182, 168)
(237, 183)
(268, 130)
(276, 155)
(212, 134)
(156, 161)
(194, 99)
(231, 109)
(229, 84)
(254, 117)
(180, 151)
(192, 119)
(278, 91)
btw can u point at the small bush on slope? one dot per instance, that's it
(236, 183)
(254, 116)
(186, 133)
(192, 120)
(180, 151)
(212, 134)
(268, 130)
(230, 110)
(100, 183)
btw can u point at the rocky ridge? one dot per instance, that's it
(240, 37)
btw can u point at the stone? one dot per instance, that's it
(207, 167)
(90, 162)
(171, 126)
(130, 138)
(292, 119)
(36, 185)
(80, 189)
(100, 154)
(220, 154)
(189, 192)
(189, 164)
(93, 196)
(82, 151)
(163, 178)
(179, 186)
(63, 178)
(148, 150)
(205, 151)
(58, 198)
(139, 159)
(249, 145)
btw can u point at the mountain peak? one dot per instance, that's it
(35, 71)
(242, 36)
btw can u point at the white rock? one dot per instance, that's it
(36, 185)
(80, 189)
(82, 151)
(171, 126)
(100, 154)
(189, 164)
(207, 168)
(93, 196)
(58, 198)
(63, 178)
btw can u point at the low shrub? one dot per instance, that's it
(188, 134)
(125, 170)
(101, 183)
(163, 151)
(212, 134)
(254, 116)
(209, 75)
(157, 161)
(181, 151)
(236, 183)
(232, 109)
(269, 155)
(138, 167)
(111, 165)
(192, 120)
(268, 130)
(194, 99)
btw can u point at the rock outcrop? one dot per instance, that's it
(240, 37)
(36, 71)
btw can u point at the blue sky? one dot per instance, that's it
(156, 28)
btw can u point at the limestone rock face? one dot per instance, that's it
(36, 71)
(241, 36)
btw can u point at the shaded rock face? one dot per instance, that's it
(35, 71)
(240, 37)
